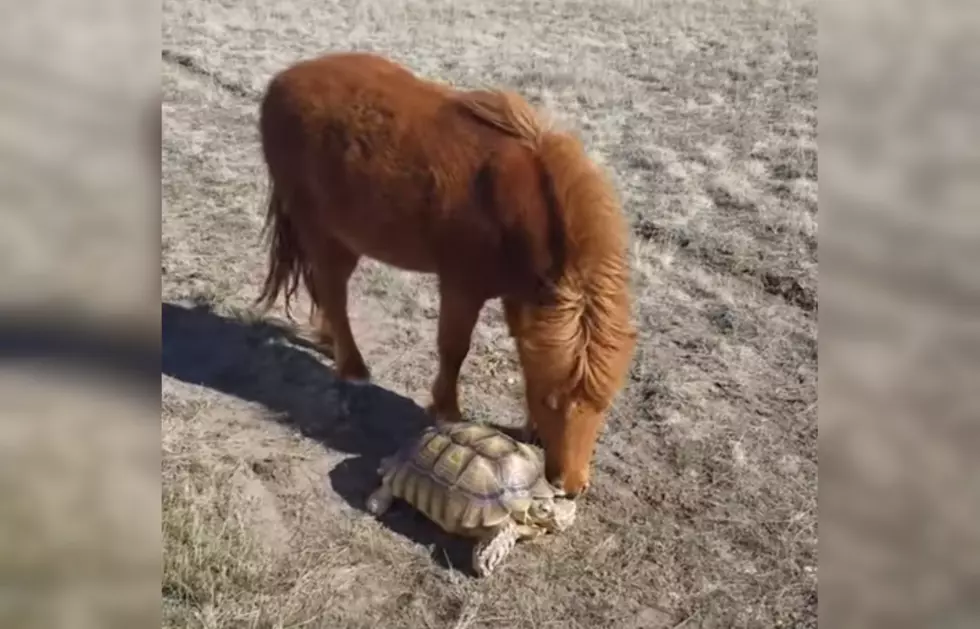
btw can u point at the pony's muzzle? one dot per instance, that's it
(571, 485)
(574, 494)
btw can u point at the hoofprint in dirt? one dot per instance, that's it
(703, 505)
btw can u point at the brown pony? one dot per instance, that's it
(366, 159)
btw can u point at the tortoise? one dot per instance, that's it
(476, 481)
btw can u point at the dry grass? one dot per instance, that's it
(703, 512)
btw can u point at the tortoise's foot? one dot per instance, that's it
(490, 551)
(386, 464)
(379, 501)
(530, 532)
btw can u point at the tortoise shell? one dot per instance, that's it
(466, 476)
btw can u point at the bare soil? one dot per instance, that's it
(703, 506)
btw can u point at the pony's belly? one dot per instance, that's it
(398, 247)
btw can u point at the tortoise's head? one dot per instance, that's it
(554, 514)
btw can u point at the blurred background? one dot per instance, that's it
(79, 314)
(900, 321)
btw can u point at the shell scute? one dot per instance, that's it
(469, 476)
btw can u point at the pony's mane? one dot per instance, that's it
(586, 337)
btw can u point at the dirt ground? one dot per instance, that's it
(703, 506)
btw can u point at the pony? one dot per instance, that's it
(365, 158)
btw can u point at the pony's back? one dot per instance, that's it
(412, 173)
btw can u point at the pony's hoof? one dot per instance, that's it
(443, 416)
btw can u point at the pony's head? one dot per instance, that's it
(576, 350)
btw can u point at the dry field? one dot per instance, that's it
(703, 507)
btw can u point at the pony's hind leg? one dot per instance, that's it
(335, 265)
(321, 323)
(458, 313)
(318, 319)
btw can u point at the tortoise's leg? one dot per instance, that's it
(528, 532)
(380, 499)
(494, 547)
(385, 464)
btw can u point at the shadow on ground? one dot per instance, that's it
(67, 340)
(266, 363)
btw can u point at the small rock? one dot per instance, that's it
(652, 618)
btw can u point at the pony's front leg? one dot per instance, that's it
(459, 311)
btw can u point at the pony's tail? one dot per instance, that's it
(287, 263)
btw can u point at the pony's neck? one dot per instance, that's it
(590, 321)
